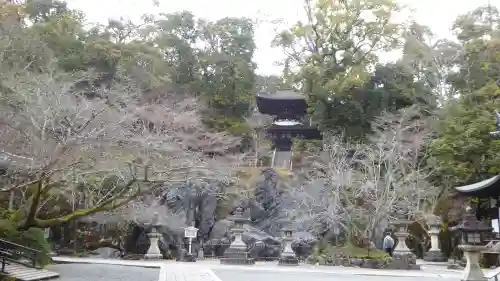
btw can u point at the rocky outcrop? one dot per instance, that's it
(261, 245)
(207, 205)
(219, 239)
(137, 241)
(303, 244)
(266, 210)
(199, 203)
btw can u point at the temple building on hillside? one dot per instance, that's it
(289, 110)
(488, 194)
(486, 191)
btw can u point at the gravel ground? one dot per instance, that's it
(101, 272)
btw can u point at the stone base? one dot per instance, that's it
(434, 256)
(237, 256)
(404, 260)
(237, 261)
(454, 266)
(288, 260)
(153, 257)
(472, 271)
(187, 258)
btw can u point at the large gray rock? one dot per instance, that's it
(261, 244)
(266, 210)
(137, 241)
(198, 203)
(207, 205)
(170, 246)
(303, 244)
(219, 238)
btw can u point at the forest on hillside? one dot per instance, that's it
(94, 116)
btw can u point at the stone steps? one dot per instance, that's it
(24, 273)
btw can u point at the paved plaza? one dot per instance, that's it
(102, 272)
(81, 269)
(233, 274)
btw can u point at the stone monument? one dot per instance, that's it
(288, 256)
(154, 252)
(434, 254)
(237, 253)
(402, 257)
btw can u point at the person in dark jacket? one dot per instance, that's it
(388, 244)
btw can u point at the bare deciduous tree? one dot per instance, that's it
(100, 154)
(358, 189)
(258, 122)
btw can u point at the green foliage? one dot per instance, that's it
(230, 124)
(345, 95)
(464, 150)
(31, 238)
(5, 277)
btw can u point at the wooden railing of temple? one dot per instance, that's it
(15, 253)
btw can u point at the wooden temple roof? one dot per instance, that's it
(489, 188)
(282, 103)
(296, 131)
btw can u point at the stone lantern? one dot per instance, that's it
(154, 252)
(400, 230)
(473, 233)
(434, 254)
(402, 257)
(237, 252)
(288, 257)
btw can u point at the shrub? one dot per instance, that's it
(32, 238)
(324, 253)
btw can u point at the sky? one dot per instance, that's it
(437, 14)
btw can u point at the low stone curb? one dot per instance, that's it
(67, 260)
(343, 271)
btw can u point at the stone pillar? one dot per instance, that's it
(154, 252)
(288, 257)
(472, 271)
(434, 254)
(402, 257)
(237, 252)
(401, 234)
